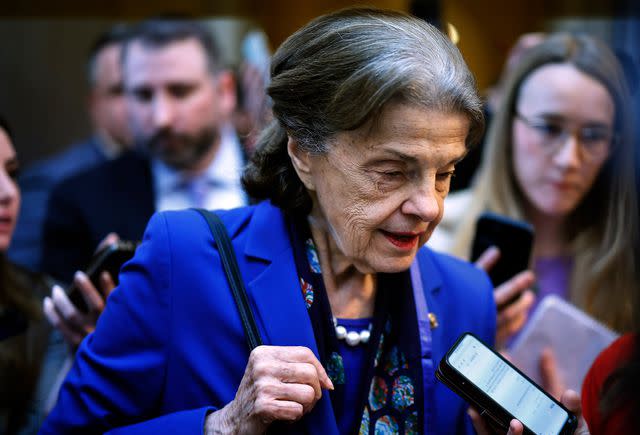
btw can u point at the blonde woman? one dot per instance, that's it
(560, 155)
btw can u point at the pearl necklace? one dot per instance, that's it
(352, 338)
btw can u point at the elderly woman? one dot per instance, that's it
(372, 110)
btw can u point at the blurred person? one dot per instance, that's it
(610, 390)
(253, 111)
(466, 169)
(110, 138)
(495, 94)
(560, 155)
(28, 363)
(372, 110)
(179, 101)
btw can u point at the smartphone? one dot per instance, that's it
(514, 238)
(110, 259)
(501, 392)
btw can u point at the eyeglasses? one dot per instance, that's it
(595, 140)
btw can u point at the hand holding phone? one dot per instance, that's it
(109, 259)
(68, 311)
(499, 391)
(513, 238)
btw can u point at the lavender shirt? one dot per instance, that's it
(553, 275)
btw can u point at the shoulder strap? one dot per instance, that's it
(228, 257)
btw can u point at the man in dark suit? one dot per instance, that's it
(110, 138)
(179, 102)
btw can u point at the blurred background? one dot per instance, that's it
(44, 44)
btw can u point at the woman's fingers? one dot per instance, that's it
(302, 373)
(517, 312)
(283, 410)
(65, 308)
(65, 316)
(571, 400)
(515, 428)
(302, 394)
(280, 383)
(92, 297)
(509, 290)
(488, 258)
(72, 337)
(106, 284)
(512, 316)
(481, 426)
(110, 239)
(551, 378)
(301, 354)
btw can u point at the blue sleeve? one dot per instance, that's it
(118, 378)
(182, 422)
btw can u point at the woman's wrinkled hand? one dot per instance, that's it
(279, 383)
(513, 298)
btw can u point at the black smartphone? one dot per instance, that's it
(501, 392)
(110, 259)
(514, 238)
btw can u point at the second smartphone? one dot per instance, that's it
(109, 259)
(514, 238)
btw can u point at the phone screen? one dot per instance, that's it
(516, 394)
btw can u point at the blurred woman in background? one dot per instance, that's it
(24, 333)
(560, 155)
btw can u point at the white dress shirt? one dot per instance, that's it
(218, 187)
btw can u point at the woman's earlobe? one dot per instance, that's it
(301, 161)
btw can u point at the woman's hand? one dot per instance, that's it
(279, 383)
(513, 298)
(551, 379)
(570, 399)
(63, 315)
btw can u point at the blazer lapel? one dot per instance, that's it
(432, 283)
(278, 302)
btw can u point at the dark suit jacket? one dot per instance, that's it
(115, 196)
(170, 347)
(36, 184)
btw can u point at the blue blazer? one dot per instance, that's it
(170, 347)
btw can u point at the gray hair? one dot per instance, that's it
(337, 73)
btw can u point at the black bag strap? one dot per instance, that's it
(228, 257)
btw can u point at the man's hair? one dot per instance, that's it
(160, 32)
(116, 35)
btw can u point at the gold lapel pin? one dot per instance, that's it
(433, 321)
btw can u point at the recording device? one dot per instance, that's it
(109, 259)
(514, 238)
(501, 392)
